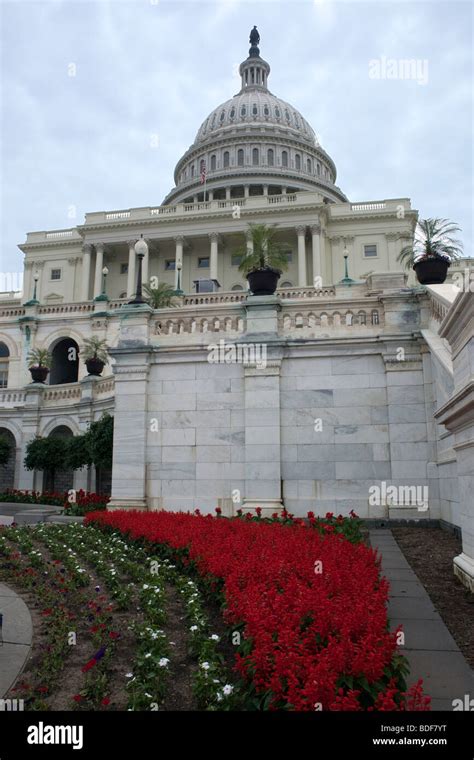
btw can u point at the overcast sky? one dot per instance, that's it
(90, 87)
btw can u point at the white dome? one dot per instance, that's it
(255, 107)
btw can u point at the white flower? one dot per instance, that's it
(193, 628)
(219, 696)
(205, 665)
(147, 655)
(163, 662)
(129, 675)
(228, 689)
(145, 586)
(215, 637)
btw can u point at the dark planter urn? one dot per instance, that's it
(38, 374)
(431, 271)
(263, 282)
(95, 366)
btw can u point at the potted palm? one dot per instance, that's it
(95, 356)
(39, 363)
(264, 263)
(160, 297)
(432, 251)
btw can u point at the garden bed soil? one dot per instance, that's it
(430, 553)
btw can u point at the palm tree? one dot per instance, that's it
(162, 296)
(265, 252)
(39, 357)
(433, 240)
(95, 348)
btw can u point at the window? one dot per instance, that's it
(222, 116)
(277, 113)
(240, 157)
(286, 285)
(55, 274)
(270, 157)
(362, 317)
(243, 111)
(254, 109)
(289, 256)
(236, 259)
(298, 162)
(123, 268)
(237, 287)
(232, 113)
(284, 158)
(123, 295)
(4, 354)
(375, 317)
(213, 162)
(287, 115)
(297, 121)
(170, 264)
(318, 168)
(266, 111)
(309, 168)
(226, 158)
(255, 156)
(192, 170)
(203, 263)
(370, 251)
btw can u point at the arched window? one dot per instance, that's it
(284, 158)
(4, 360)
(7, 470)
(243, 111)
(213, 162)
(213, 121)
(237, 287)
(65, 362)
(309, 168)
(286, 284)
(232, 112)
(277, 112)
(298, 162)
(226, 158)
(266, 111)
(240, 157)
(254, 110)
(287, 115)
(192, 170)
(222, 116)
(362, 317)
(318, 168)
(54, 479)
(375, 317)
(255, 156)
(270, 157)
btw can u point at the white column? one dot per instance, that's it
(86, 271)
(248, 235)
(324, 273)
(27, 280)
(38, 267)
(213, 237)
(300, 231)
(265, 189)
(178, 259)
(145, 267)
(316, 250)
(131, 284)
(246, 191)
(99, 264)
(227, 193)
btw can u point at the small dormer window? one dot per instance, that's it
(266, 111)
(232, 113)
(277, 112)
(213, 121)
(297, 121)
(243, 111)
(254, 109)
(222, 117)
(287, 115)
(55, 274)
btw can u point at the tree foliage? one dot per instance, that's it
(5, 449)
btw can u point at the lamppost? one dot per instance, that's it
(346, 280)
(141, 249)
(34, 301)
(178, 291)
(103, 296)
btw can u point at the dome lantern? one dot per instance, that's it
(254, 70)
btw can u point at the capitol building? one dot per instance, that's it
(368, 378)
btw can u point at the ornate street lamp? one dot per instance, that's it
(178, 291)
(103, 296)
(346, 280)
(141, 249)
(34, 301)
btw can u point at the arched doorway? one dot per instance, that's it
(65, 362)
(7, 470)
(59, 480)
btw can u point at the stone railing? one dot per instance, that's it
(294, 318)
(104, 387)
(194, 326)
(59, 395)
(13, 397)
(441, 298)
(14, 311)
(67, 308)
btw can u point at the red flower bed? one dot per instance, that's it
(312, 608)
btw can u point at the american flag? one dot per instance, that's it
(203, 171)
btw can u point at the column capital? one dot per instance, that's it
(315, 229)
(38, 264)
(179, 239)
(131, 243)
(392, 236)
(213, 237)
(99, 247)
(73, 260)
(86, 248)
(300, 229)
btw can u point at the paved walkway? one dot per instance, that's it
(429, 647)
(31, 514)
(17, 632)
